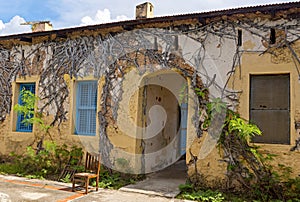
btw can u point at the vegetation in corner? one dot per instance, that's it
(48, 159)
(48, 163)
(114, 180)
(189, 192)
(249, 172)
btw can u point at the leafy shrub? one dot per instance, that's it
(45, 164)
(115, 180)
(249, 171)
(9, 168)
(189, 192)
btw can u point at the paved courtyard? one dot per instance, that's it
(18, 189)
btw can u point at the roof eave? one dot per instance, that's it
(271, 9)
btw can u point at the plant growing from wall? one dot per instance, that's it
(247, 168)
(48, 159)
(27, 110)
(68, 56)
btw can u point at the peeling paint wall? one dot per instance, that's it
(203, 52)
(256, 64)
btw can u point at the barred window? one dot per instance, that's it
(21, 126)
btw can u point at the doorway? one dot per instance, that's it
(162, 115)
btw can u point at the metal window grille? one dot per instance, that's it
(21, 126)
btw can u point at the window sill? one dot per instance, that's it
(21, 136)
(88, 135)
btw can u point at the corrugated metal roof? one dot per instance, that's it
(244, 9)
(268, 8)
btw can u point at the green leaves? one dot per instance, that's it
(66, 179)
(214, 109)
(50, 146)
(183, 95)
(186, 187)
(233, 123)
(201, 92)
(242, 128)
(208, 196)
(27, 108)
(114, 180)
(28, 100)
(246, 164)
(217, 105)
(47, 163)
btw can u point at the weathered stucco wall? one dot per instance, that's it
(264, 64)
(254, 58)
(209, 56)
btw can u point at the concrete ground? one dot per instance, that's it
(121, 196)
(18, 189)
(21, 189)
(163, 183)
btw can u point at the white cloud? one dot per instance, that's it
(2, 26)
(14, 26)
(122, 18)
(70, 13)
(101, 17)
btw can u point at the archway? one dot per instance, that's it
(163, 116)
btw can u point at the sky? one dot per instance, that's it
(74, 13)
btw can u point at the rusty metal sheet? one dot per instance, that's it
(275, 125)
(270, 107)
(270, 92)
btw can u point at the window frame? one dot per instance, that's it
(91, 107)
(288, 136)
(15, 100)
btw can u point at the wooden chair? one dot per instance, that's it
(70, 168)
(92, 170)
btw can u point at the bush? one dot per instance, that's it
(115, 180)
(189, 192)
(46, 163)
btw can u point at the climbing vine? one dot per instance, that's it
(248, 169)
(110, 55)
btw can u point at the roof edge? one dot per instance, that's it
(268, 8)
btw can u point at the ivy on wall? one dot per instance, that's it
(110, 55)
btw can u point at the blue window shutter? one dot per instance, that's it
(86, 106)
(22, 127)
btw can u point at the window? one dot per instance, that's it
(270, 107)
(272, 36)
(240, 37)
(22, 127)
(86, 106)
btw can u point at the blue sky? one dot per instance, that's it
(30, 9)
(71, 13)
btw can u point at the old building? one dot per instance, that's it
(127, 89)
